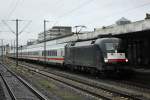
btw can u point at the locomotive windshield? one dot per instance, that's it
(111, 47)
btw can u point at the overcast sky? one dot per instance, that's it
(91, 13)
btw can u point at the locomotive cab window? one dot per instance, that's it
(111, 47)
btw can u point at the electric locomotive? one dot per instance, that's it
(103, 54)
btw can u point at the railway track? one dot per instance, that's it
(127, 83)
(131, 84)
(93, 88)
(16, 87)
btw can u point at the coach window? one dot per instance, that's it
(49, 53)
(56, 53)
(53, 53)
(42, 53)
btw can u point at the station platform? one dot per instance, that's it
(142, 71)
(142, 75)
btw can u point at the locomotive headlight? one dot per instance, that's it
(126, 60)
(105, 60)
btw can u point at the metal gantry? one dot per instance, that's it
(78, 31)
(17, 34)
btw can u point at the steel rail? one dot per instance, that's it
(30, 87)
(8, 88)
(105, 88)
(119, 93)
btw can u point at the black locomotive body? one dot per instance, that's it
(103, 54)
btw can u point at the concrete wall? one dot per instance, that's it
(127, 28)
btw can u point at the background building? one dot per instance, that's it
(56, 31)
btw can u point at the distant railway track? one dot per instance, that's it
(17, 87)
(91, 87)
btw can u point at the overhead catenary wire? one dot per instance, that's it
(121, 12)
(22, 30)
(13, 9)
(76, 8)
(108, 16)
(29, 22)
(10, 14)
(9, 7)
(8, 26)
